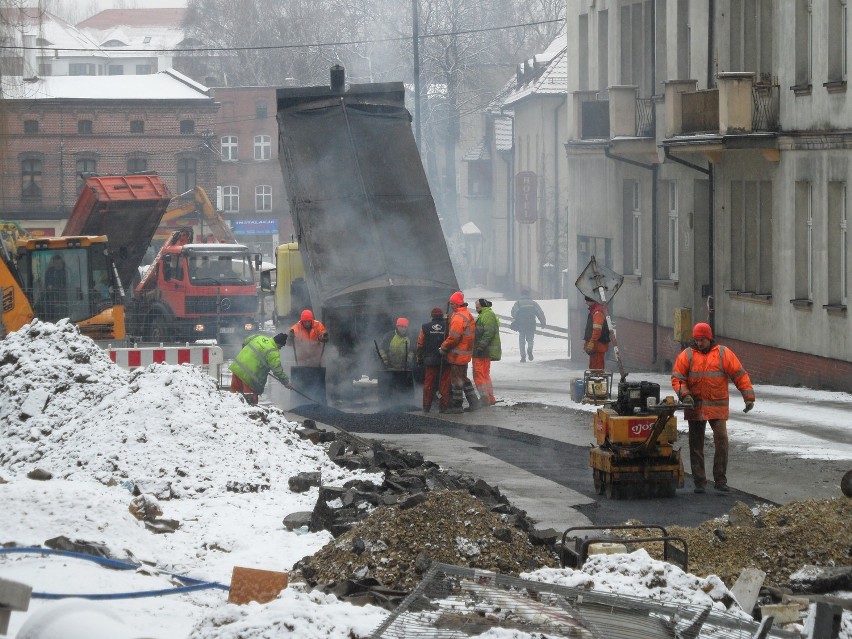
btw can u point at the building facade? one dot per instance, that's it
(708, 154)
(250, 191)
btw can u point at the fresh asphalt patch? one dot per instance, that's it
(560, 462)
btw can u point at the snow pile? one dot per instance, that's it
(638, 575)
(69, 410)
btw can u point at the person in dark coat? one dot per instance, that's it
(437, 371)
(524, 314)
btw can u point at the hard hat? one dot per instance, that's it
(307, 315)
(702, 330)
(402, 321)
(457, 298)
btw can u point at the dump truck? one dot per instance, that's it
(366, 224)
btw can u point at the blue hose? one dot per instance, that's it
(193, 584)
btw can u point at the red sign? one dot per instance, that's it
(526, 197)
(639, 429)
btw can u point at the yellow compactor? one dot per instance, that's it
(634, 456)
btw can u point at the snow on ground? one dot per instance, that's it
(101, 431)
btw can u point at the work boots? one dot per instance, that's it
(456, 402)
(473, 400)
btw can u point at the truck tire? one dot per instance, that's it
(158, 328)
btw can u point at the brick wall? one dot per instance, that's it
(765, 365)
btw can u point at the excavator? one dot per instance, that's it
(186, 208)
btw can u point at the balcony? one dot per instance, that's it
(592, 115)
(739, 114)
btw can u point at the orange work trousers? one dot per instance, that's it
(238, 386)
(432, 383)
(482, 379)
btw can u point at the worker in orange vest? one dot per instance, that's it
(308, 337)
(700, 379)
(458, 349)
(596, 336)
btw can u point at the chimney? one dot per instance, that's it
(30, 69)
(338, 79)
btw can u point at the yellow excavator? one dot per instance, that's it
(186, 208)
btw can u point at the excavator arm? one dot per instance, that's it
(197, 202)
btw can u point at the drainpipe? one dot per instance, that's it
(653, 168)
(711, 313)
(557, 281)
(509, 159)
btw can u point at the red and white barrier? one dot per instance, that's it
(210, 358)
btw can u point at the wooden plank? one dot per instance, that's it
(747, 588)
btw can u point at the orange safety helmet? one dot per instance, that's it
(457, 298)
(307, 315)
(402, 321)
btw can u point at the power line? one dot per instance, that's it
(292, 46)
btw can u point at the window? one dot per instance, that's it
(229, 148)
(751, 236)
(115, 69)
(45, 70)
(137, 165)
(79, 68)
(263, 198)
(260, 111)
(672, 235)
(83, 167)
(804, 43)
(187, 126)
(262, 147)
(84, 127)
(146, 40)
(31, 178)
(144, 69)
(837, 41)
(137, 126)
(751, 37)
(186, 174)
(632, 217)
(804, 242)
(838, 245)
(231, 199)
(30, 127)
(479, 178)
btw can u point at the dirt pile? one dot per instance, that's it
(394, 545)
(777, 540)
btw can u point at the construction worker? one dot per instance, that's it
(596, 336)
(458, 349)
(258, 358)
(486, 349)
(308, 337)
(56, 290)
(524, 313)
(700, 379)
(396, 349)
(436, 370)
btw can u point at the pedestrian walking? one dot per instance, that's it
(524, 314)
(258, 358)
(596, 337)
(308, 337)
(486, 349)
(436, 378)
(700, 379)
(458, 349)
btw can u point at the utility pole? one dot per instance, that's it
(415, 43)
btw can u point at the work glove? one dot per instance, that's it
(688, 401)
(589, 347)
(749, 405)
(324, 337)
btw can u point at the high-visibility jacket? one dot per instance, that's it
(597, 331)
(397, 351)
(460, 337)
(258, 358)
(487, 342)
(705, 376)
(308, 343)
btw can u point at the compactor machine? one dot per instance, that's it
(634, 454)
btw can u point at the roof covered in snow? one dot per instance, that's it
(549, 75)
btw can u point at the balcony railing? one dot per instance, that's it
(766, 107)
(644, 117)
(700, 111)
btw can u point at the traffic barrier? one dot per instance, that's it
(209, 358)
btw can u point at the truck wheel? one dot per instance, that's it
(159, 329)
